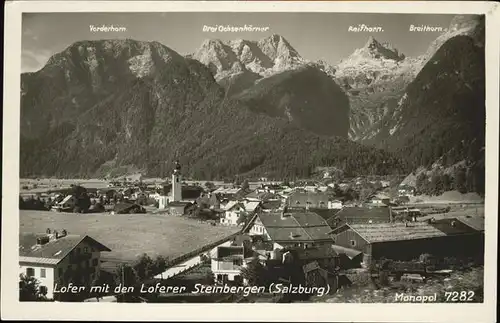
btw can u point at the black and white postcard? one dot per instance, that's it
(208, 156)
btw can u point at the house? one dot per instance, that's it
(258, 196)
(380, 200)
(335, 204)
(60, 258)
(308, 200)
(178, 207)
(385, 184)
(234, 210)
(403, 199)
(407, 241)
(231, 193)
(406, 190)
(303, 229)
(270, 205)
(68, 203)
(360, 215)
(228, 259)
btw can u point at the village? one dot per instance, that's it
(315, 233)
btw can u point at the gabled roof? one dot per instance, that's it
(251, 206)
(271, 205)
(224, 190)
(262, 196)
(383, 232)
(53, 251)
(295, 227)
(232, 204)
(351, 253)
(364, 215)
(301, 198)
(66, 199)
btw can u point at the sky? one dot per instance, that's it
(314, 35)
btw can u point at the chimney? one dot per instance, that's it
(453, 223)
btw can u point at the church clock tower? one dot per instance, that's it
(176, 183)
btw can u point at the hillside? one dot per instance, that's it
(140, 105)
(441, 117)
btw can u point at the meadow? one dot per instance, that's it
(129, 235)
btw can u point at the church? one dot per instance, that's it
(176, 196)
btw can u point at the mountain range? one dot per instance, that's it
(250, 107)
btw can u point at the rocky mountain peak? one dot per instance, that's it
(276, 46)
(264, 57)
(375, 49)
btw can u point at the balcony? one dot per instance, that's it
(80, 257)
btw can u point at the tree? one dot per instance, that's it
(422, 183)
(447, 182)
(245, 186)
(242, 218)
(160, 265)
(29, 289)
(144, 267)
(209, 186)
(126, 276)
(459, 181)
(436, 185)
(255, 273)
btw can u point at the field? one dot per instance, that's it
(129, 235)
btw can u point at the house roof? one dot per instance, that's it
(271, 205)
(251, 206)
(53, 251)
(363, 214)
(224, 190)
(227, 252)
(351, 253)
(383, 232)
(66, 199)
(301, 198)
(295, 227)
(262, 196)
(326, 214)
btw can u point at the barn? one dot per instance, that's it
(407, 241)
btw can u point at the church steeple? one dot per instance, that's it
(176, 182)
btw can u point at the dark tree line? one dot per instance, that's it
(462, 180)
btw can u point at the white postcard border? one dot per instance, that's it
(11, 308)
